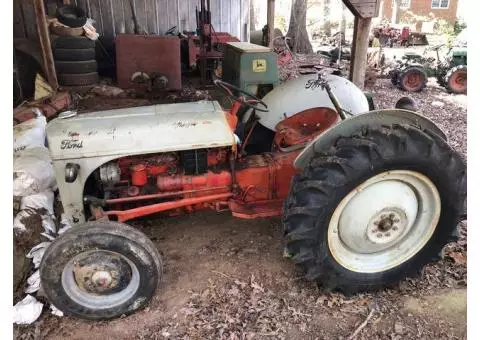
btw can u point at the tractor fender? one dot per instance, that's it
(371, 119)
(304, 93)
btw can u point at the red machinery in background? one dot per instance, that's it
(206, 50)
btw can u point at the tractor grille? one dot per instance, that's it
(194, 161)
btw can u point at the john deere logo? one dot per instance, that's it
(259, 65)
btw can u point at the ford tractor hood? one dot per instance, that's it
(140, 130)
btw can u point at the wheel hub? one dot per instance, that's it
(368, 221)
(387, 226)
(101, 273)
(100, 278)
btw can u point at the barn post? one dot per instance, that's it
(44, 38)
(271, 21)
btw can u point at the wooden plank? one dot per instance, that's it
(358, 62)
(235, 18)
(162, 15)
(173, 18)
(216, 9)
(364, 8)
(18, 23)
(44, 37)
(362, 2)
(107, 21)
(128, 17)
(29, 19)
(192, 22)
(225, 16)
(150, 8)
(96, 14)
(141, 14)
(182, 14)
(118, 17)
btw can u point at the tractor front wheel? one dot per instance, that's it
(456, 80)
(375, 208)
(100, 270)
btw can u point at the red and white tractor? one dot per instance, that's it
(367, 197)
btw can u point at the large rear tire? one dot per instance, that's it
(100, 270)
(375, 208)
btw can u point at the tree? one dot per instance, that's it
(297, 28)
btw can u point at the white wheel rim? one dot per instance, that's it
(384, 221)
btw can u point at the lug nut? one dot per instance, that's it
(396, 220)
(395, 228)
(387, 234)
(383, 216)
(379, 235)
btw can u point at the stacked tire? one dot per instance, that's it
(75, 61)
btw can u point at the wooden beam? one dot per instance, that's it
(363, 8)
(358, 62)
(44, 37)
(271, 21)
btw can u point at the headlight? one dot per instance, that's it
(71, 172)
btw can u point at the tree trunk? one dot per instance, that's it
(326, 18)
(343, 23)
(297, 28)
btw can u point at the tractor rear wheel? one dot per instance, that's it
(412, 79)
(100, 270)
(375, 208)
(456, 80)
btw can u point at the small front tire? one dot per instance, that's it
(100, 270)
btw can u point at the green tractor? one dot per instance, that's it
(412, 72)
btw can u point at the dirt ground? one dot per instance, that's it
(225, 278)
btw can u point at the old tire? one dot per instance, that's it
(71, 42)
(456, 80)
(84, 79)
(76, 67)
(336, 249)
(71, 16)
(394, 77)
(74, 54)
(412, 79)
(100, 270)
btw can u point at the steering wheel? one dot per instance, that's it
(249, 100)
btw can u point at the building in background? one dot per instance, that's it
(418, 12)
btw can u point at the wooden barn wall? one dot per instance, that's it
(154, 16)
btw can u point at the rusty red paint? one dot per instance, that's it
(125, 215)
(151, 54)
(139, 175)
(260, 209)
(304, 126)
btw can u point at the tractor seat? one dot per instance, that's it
(304, 126)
